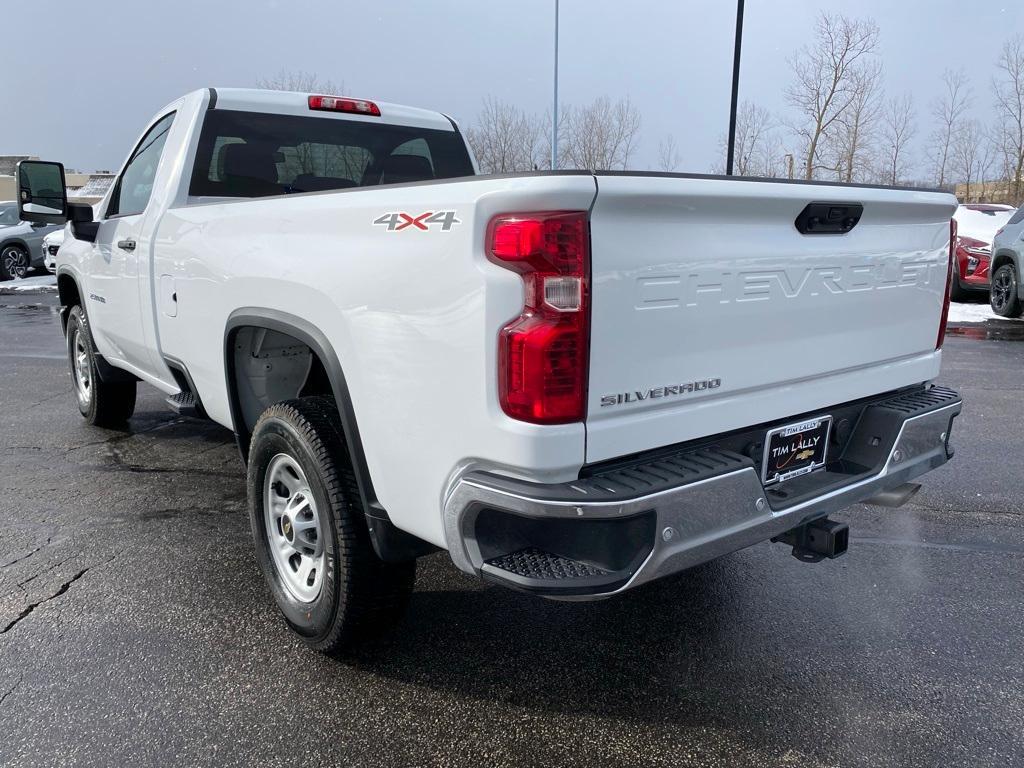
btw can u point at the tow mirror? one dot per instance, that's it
(42, 194)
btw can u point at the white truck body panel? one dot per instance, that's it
(413, 317)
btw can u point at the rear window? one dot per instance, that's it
(252, 154)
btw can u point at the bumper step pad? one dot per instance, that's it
(535, 563)
(184, 404)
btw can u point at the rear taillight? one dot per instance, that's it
(542, 354)
(949, 284)
(342, 104)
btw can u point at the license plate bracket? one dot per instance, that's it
(795, 449)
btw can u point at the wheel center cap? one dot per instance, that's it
(286, 527)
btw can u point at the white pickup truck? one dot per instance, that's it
(574, 382)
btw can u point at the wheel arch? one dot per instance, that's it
(391, 543)
(69, 294)
(1006, 256)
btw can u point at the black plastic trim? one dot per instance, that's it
(213, 99)
(391, 543)
(181, 376)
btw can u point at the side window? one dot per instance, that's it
(133, 188)
(1018, 217)
(8, 216)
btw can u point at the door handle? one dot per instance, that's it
(126, 245)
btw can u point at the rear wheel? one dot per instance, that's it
(14, 262)
(102, 403)
(310, 532)
(1004, 296)
(956, 290)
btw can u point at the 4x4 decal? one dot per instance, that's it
(397, 221)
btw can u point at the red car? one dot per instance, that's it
(976, 225)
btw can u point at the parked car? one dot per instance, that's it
(21, 242)
(51, 244)
(574, 382)
(1007, 294)
(976, 225)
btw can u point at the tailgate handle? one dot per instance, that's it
(828, 218)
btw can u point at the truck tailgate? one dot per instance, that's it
(712, 312)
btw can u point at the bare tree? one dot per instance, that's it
(852, 144)
(753, 123)
(758, 150)
(825, 80)
(948, 113)
(303, 82)
(971, 157)
(600, 136)
(1008, 86)
(898, 129)
(668, 155)
(505, 139)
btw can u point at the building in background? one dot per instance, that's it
(82, 187)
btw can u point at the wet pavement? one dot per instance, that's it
(135, 626)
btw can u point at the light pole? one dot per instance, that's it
(554, 108)
(735, 87)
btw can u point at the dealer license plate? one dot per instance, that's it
(795, 449)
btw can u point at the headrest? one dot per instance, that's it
(402, 168)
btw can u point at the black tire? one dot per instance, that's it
(101, 403)
(956, 291)
(14, 262)
(360, 598)
(1004, 295)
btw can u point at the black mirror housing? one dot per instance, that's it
(42, 192)
(82, 225)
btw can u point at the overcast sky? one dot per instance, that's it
(81, 79)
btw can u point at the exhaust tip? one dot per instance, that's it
(895, 497)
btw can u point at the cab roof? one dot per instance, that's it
(296, 103)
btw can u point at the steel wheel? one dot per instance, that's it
(15, 262)
(294, 532)
(81, 367)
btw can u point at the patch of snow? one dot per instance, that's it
(974, 313)
(39, 284)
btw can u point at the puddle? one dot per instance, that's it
(993, 330)
(36, 315)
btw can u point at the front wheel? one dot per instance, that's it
(102, 403)
(14, 262)
(310, 533)
(1004, 296)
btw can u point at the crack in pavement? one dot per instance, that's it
(959, 511)
(21, 677)
(17, 560)
(987, 547)
(53, 567)
(27, 610)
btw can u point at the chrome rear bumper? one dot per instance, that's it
(613, 531)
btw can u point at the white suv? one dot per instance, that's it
(1007, 254)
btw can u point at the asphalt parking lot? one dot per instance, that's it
(135, 627)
